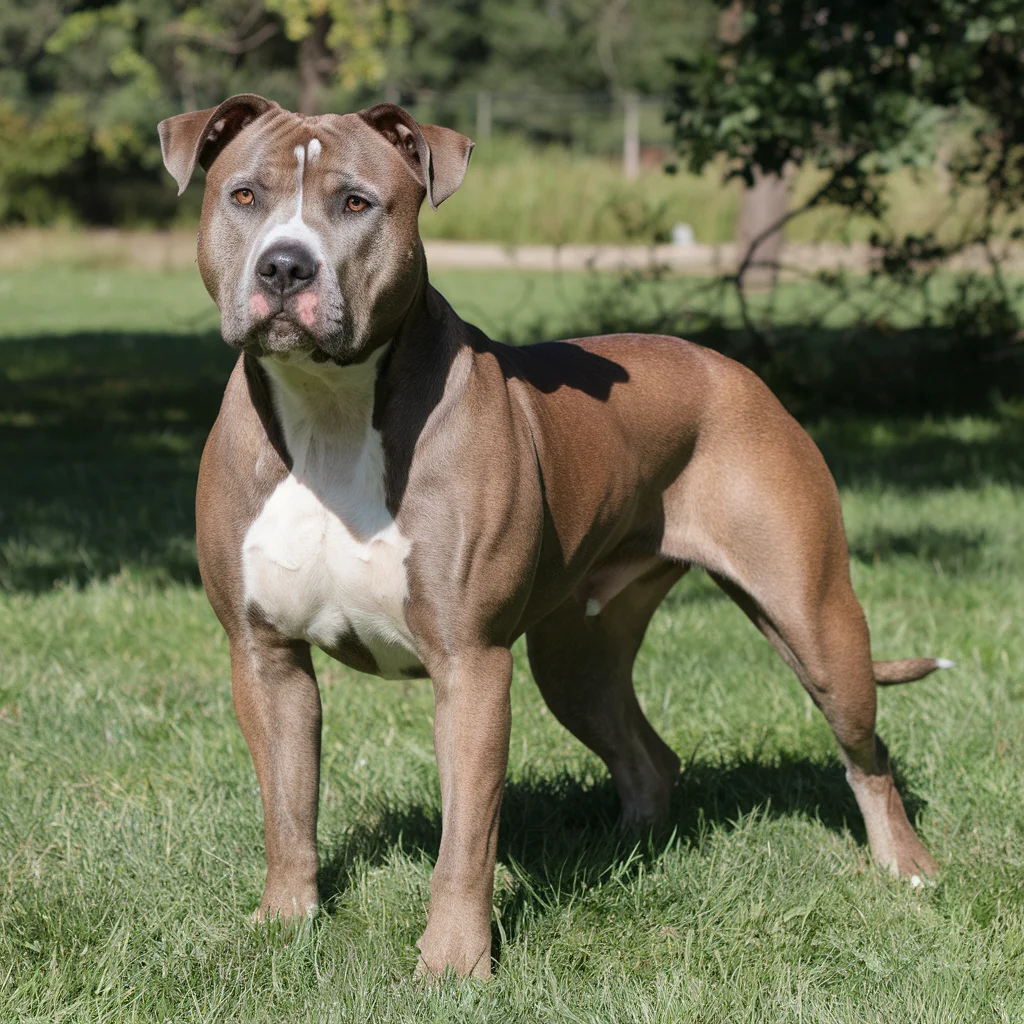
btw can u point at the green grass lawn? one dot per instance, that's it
(131, 837)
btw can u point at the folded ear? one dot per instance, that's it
(449, 158)
(438, 157)
(201, 135)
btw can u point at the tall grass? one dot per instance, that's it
(520, 194)
(516, 193)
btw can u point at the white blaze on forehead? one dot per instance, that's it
(300, 159)
(295, 227)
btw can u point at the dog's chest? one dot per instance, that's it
(325, 561)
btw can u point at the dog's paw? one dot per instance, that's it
(295, 911)
(456, 955)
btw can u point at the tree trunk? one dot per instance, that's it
(762, 206)
(314, 64)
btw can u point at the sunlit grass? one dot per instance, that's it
(130, 829)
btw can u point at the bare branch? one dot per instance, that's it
(226, 44)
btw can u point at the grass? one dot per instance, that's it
(130, 830)
(557, 197)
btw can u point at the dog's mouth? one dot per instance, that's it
(285, 325)
(309, 322)
(281, 332)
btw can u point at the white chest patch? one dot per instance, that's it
(325, 560)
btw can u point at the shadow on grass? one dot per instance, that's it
(917, 455)
(100, 439)
(957, 550)
(559, 837)
(101, 434)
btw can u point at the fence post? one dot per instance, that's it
(631, 136)
(483, 114)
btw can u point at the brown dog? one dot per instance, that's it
(385, 482)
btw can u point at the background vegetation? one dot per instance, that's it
(895, 127)
(83, 84)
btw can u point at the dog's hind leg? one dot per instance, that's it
(767, 524)
(583, 665)
(758, 508)
(827, 645)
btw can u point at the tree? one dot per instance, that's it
(91, 80)
(553, 46)
(351, 39)
(765, 202)
(856, 90)
(119, 66)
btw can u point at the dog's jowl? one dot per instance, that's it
(388, 484)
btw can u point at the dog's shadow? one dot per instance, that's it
(559, 836)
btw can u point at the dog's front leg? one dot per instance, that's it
(472, 718)
(277, 703)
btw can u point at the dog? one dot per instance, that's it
(385, 482)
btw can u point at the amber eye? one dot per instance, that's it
(356, 204)
(243, 196)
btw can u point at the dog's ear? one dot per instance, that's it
(449, 158)
(438, 157)
(186, 139)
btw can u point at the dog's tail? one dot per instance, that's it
(906, 670)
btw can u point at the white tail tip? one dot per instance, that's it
(593, 607)
(945, 663)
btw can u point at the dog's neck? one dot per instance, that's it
(428, 334)
(321, 403)
(326, 411)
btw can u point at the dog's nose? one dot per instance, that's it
(286, 268)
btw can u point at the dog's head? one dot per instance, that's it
(309, 236)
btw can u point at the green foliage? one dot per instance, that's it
(515, 193)
(99, 50)
(35, 151)
(117, 68)
(122, 65)
(552, 45)
(357, 37)
(801, 82)
(859, 90)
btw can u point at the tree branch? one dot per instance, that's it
(226, 44)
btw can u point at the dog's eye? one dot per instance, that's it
(356, 204)
(243, 196)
